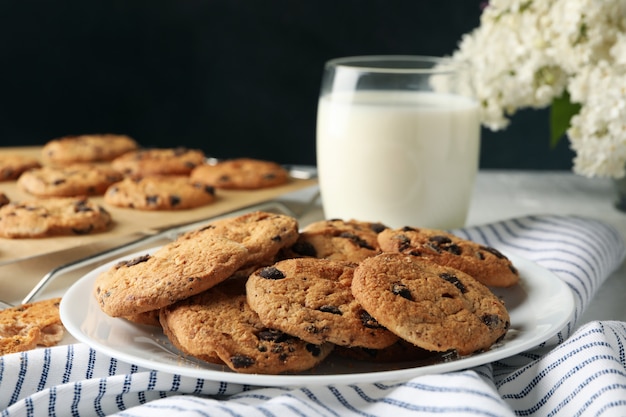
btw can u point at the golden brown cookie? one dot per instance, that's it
(486, 264)
(158, 161)
(263, 234)
(86, 148)
(180, 269)
(13, 165)
(241, 174)
(312, 299)
(220, 323)
(52, 216)
(69, 180)
(172, 192)
(431, 306)
(339, 240)
(30, 325)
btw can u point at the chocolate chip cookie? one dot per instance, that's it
(69, 181)
(312, 299)
(339, 240)
(159, 193)
(486, 264)
(52, 216)
(86, 148)
(159, 161)
(431, 306)
(178, 270)
(241, 174)
(219, 323)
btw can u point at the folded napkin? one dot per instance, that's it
(580, 371)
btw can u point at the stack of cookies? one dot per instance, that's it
(258, 295)
(74, 168)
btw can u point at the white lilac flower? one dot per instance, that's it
(526, 53)
(598, 133)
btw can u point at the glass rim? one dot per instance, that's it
(409, 64)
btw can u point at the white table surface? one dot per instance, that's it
(500, 195)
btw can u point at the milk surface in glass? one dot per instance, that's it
(402, 158)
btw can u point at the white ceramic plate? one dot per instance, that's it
(539, 307)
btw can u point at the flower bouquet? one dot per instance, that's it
(567, 54)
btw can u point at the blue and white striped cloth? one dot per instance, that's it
(579, 372)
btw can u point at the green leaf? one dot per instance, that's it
(561, 112)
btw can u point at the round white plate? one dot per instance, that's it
(539, 307)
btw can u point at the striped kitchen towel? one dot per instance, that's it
(580, 371)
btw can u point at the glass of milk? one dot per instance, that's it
(397, 142)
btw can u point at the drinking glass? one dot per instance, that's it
(397, 141)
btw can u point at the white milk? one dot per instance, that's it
(402, 158)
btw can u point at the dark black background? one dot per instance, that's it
(232, 77)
